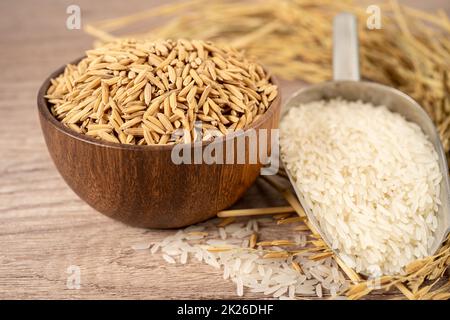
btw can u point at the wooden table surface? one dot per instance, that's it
(44, 226)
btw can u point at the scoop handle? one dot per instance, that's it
(345, 47)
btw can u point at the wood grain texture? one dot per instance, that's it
(44, 226)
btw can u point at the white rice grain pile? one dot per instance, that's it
(246, 267)
(371, 178)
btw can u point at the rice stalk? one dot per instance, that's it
(254, 212)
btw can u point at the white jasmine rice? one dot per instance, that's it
(370, 177)
(246, 267)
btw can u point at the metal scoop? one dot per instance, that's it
(347, 84)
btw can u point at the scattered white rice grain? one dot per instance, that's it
(267, 276)
(273, 277)
(194, 228)
(199, 255)
(272, 290)
(305, 291)
(226, 272)
(237, 264)
(168, 258)
(242, 233)
(319, 290)
(233, 227)
(261, 270)
(335, 274)
(333, 291)
(248, 266)
(286, 298)
(280, 292)
(183, 257)
(140, 246)
(222, 233)
(214, 242)
(194, 237)
(291, 291)
(211, 260)
(240, 287)
(155, 248)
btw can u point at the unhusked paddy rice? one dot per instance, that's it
(146, 93)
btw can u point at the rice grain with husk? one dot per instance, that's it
(147, 91)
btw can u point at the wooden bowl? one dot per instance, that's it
(140, 185)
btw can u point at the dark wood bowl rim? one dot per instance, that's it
(44, 110)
